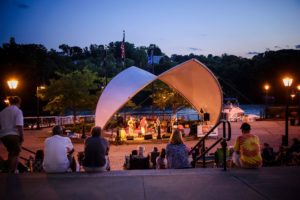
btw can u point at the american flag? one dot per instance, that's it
(123, 47)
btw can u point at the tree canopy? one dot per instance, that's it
(72, 92)
(33, 65)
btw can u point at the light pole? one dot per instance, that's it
(287, 81)
(298, 88)
(12, 85)
(266, 87)
(38, 88)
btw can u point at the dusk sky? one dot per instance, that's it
(239, 27)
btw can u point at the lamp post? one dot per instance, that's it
(287, 81)
(298, 88)
(12, 84)
(266, 87)
(38, 88)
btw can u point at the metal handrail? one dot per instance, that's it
(222, 140)
(28, 150)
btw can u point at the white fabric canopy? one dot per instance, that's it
(192, 79)
(119, 91)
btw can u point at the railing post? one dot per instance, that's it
(223, 141)
(224, 145)
(203, 157)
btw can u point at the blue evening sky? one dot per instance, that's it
(239, 27)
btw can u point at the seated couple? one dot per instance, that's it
(158, 159)
(58, 153)
(137, 160)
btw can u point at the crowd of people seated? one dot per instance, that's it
(286, 156)
(57, 156)
(174, 156)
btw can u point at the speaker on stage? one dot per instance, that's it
(148, 137)
(206, 117)
(130, 137)
(166, 135)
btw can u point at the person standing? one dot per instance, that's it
(96, 150)
(11, 132)
(131, 126)
(144, 125)
(157, 127)
(58, 153)
(247, 149)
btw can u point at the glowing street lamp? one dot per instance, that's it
(266, 88)
(287, 81)
(293, 95)
(12, 84)
(298, 88)
(6, 101)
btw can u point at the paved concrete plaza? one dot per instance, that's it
(268, 131)
(208, 183)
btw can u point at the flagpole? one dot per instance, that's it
(123, 50)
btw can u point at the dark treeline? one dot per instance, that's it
(34, 65)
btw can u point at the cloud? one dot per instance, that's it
(297, 46)
(253, 53)
(277, 47)
(268, 49)
(195, 49)
(22, 6)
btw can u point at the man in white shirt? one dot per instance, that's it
(11, 131)
(56, 152)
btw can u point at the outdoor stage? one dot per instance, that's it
(138, 137)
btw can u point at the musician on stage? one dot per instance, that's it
(144, 125)
(157, 125)
(131, 125)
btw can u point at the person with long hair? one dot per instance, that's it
(161, 162)
(96, 150)
(177, 152)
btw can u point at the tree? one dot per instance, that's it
(165, 96)
(72, 92)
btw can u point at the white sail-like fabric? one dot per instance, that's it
(194, 81)
(119, 91)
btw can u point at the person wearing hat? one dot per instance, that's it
(247, 149)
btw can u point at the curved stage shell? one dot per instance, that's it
(192, 79)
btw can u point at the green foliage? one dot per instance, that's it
(165, 96)
(72, 92)
(239, 77)
(130, 104)
(77, 128)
